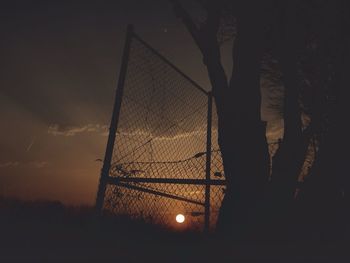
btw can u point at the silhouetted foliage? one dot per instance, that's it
(300, 50)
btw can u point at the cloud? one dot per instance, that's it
(274, 132)
(166, 135)
(30, 144)
(35, 164)
(39, 164)
(56, 130)
(9, 164)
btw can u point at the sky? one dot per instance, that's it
(59, 68)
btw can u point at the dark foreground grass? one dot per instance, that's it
(50, 232)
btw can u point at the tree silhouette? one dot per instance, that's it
(303, 47)
(241, 132)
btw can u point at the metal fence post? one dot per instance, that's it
(114, 123)
(208, 165)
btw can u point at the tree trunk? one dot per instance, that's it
(290, 156)
(242, 134)
(326, 193)
(328, 189)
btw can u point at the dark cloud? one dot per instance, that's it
(56, 130)
(9, 164)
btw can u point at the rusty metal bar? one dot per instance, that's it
(158, 193)
(114, 123)
(117, 180)
(208, 165)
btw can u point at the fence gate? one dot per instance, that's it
(162, 156)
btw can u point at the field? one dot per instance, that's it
(50, 232)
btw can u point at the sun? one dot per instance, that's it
(180, 218)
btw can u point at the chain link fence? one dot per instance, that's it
(158, 165)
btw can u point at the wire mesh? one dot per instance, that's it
(157, 209)
(162, 134)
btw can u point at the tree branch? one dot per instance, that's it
(181, 13)
(206, 40)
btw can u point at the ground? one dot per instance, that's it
(51, 232)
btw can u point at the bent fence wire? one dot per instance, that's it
(159, 164)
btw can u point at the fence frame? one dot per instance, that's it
(105, 179)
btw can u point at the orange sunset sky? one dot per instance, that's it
(59, 68)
